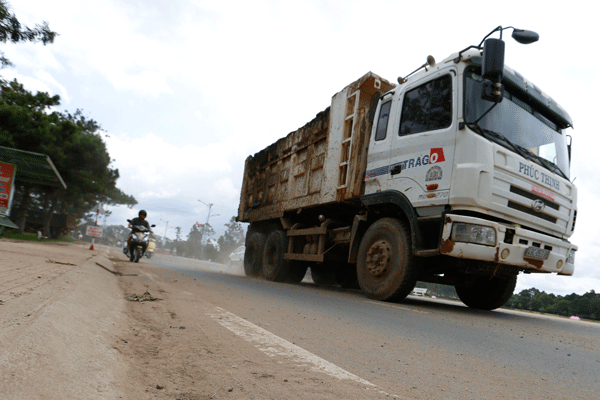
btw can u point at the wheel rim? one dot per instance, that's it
(378, 258)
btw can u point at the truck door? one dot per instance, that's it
(422, 148)
(379, 148)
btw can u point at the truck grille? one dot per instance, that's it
(528, 209)
(533, 196)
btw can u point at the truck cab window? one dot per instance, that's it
(427, 107)
(382, 122)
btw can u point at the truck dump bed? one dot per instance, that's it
(321, 163)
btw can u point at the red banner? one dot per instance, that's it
(7, 173)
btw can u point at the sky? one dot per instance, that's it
(185, 90)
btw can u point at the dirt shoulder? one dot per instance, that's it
(68, 332)
(60, 313)
(179, 349)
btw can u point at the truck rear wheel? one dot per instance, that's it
(296, 271)
(386, 267)
(487, 294)
(274, 266)
(253, 254)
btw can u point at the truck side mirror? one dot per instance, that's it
(525, 37)
(493, 70)
(493, 59)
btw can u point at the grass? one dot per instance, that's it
(32, 237)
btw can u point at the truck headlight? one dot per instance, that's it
(473, 234)
(571, 257)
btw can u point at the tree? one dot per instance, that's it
(194, 242)
(231, 239)
(585, 306)
(207, 231)
(12, 30)
(208, 250)
(85, 167)
(25, 125)
(73, 143)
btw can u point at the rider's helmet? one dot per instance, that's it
(142, 212)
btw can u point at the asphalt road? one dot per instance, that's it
(422, 345)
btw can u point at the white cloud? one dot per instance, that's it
(157, 194)
(28, 82)
(103, 39)
(48, 79)
(32, 55)
(151, 165)
(561, 285)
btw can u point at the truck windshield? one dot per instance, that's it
(518, 126)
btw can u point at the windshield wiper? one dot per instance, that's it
(510, 145)
(545, 163)
(553, 167)
(549, 165)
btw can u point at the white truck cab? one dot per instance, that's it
(497, 172)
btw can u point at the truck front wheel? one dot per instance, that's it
(253, 254)
(386, 267)
(488, 293)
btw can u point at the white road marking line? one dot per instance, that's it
(381, 303)
(273, 346)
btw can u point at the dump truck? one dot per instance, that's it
(458, 175)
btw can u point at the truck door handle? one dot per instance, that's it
(396, 170)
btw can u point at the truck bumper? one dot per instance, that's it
(510, 251)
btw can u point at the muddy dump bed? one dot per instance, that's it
(321, 163)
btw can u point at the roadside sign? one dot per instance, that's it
(7, 177)
(95, 231)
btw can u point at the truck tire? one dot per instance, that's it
(296, 271)
(274, 267)
(253, 254)
(386, 268)
(487, 294)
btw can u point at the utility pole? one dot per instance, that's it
(165, 237)
(204, 226)
(95, 224)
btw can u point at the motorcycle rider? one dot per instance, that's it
(139, 220)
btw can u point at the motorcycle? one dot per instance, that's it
(151, 247)
(140, 237)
